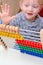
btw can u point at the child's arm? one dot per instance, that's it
(41, 37)
(5, 14)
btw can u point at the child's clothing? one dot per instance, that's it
(29, 27)
(0, 22)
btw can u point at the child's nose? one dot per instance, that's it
(30, 9)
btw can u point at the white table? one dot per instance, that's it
(15, 57)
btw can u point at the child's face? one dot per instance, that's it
(30, 8)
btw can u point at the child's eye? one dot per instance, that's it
(26, 5)
(35, 6)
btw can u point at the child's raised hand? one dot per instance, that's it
(5, 14)
(41, 37)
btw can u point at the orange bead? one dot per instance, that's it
(7, 28)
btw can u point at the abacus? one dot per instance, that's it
(29, 46)
(9, 32)
(3, 44)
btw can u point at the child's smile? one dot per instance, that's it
(30, 8)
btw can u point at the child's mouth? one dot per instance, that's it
(29, 13)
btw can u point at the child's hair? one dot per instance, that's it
(40, 2)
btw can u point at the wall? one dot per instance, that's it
(14, 5)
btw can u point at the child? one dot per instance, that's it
(5, 14)
(28, 19)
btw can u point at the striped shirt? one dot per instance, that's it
(28, 29)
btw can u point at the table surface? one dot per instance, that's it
(15, 57)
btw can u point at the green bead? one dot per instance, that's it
(31, 49)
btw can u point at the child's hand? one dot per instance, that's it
(41, 37)
(5, 14)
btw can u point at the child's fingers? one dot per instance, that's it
(3, 8)
(7, 8)
(11, 18)
(41, 37)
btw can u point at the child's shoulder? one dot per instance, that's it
(41, 21)
(41, 18)
(19, 14)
